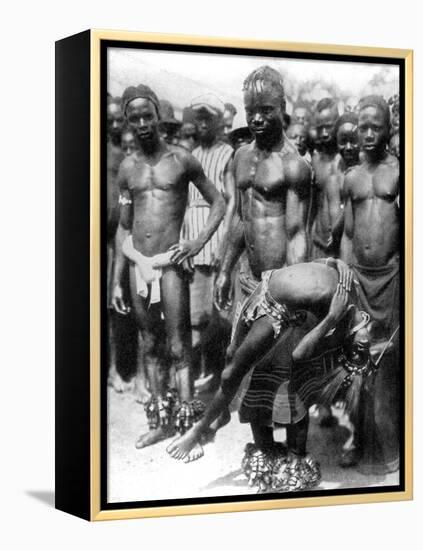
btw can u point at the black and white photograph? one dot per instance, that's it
(253, 293)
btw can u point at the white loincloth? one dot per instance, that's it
(148, 269)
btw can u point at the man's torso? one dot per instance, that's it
(372, 191)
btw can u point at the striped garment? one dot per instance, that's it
(214, 162)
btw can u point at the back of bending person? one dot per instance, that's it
(284, 299)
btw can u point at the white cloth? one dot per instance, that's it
(148, 269)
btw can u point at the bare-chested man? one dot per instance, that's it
(327, 201)
(349, 150)
(153, 186)
(273, 184)
(372, 230)
(115, 155)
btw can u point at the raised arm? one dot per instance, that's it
(309, 342)
(209, 192)
(298, 176)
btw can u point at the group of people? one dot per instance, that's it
(259, 267)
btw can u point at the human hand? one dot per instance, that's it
(221, 291)
(339, 303)
(185, 250)
(118, 302)
(346, 274)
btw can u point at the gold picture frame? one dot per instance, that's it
(84, 499)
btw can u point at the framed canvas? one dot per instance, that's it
(233, 275)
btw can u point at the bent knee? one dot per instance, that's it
(176, 350)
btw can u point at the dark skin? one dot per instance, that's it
(349, 149)
(272, 183)
(298, 134)
(228, 122)
(371, 239)
(327, 197)
(394, 145)
(188, 136)
(115, 121)
(128, 143)
(348, 145)
(114, 158)
(154, 187)
(371, 212)
(300, 116)
(314, 287)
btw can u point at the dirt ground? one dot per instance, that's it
(150, 474)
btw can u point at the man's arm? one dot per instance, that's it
(333, 196)
(229, 196)
(309, 342)
(298, 176)
(234, 248)
(123, 230)
(209, 192)
(346, 251)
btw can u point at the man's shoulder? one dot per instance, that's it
(180, 153)
(352, 176)
(391, 161)
(128, 162)
(243, 152)
(296, 168)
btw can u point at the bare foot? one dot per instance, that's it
(152, 437)
(195, 453)
(117, 383)
(142, 395)
(181, 447)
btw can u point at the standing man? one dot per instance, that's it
(115, 155)
(153, 185)
(349, 150)
(372, 230)
(273, 185)
(215, 156)
(326, 207)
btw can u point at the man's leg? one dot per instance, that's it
(257, 341)
(142, 395)
(115, 380)
(149, 325)
(175, 305)
(297, 436)
(263, 436)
